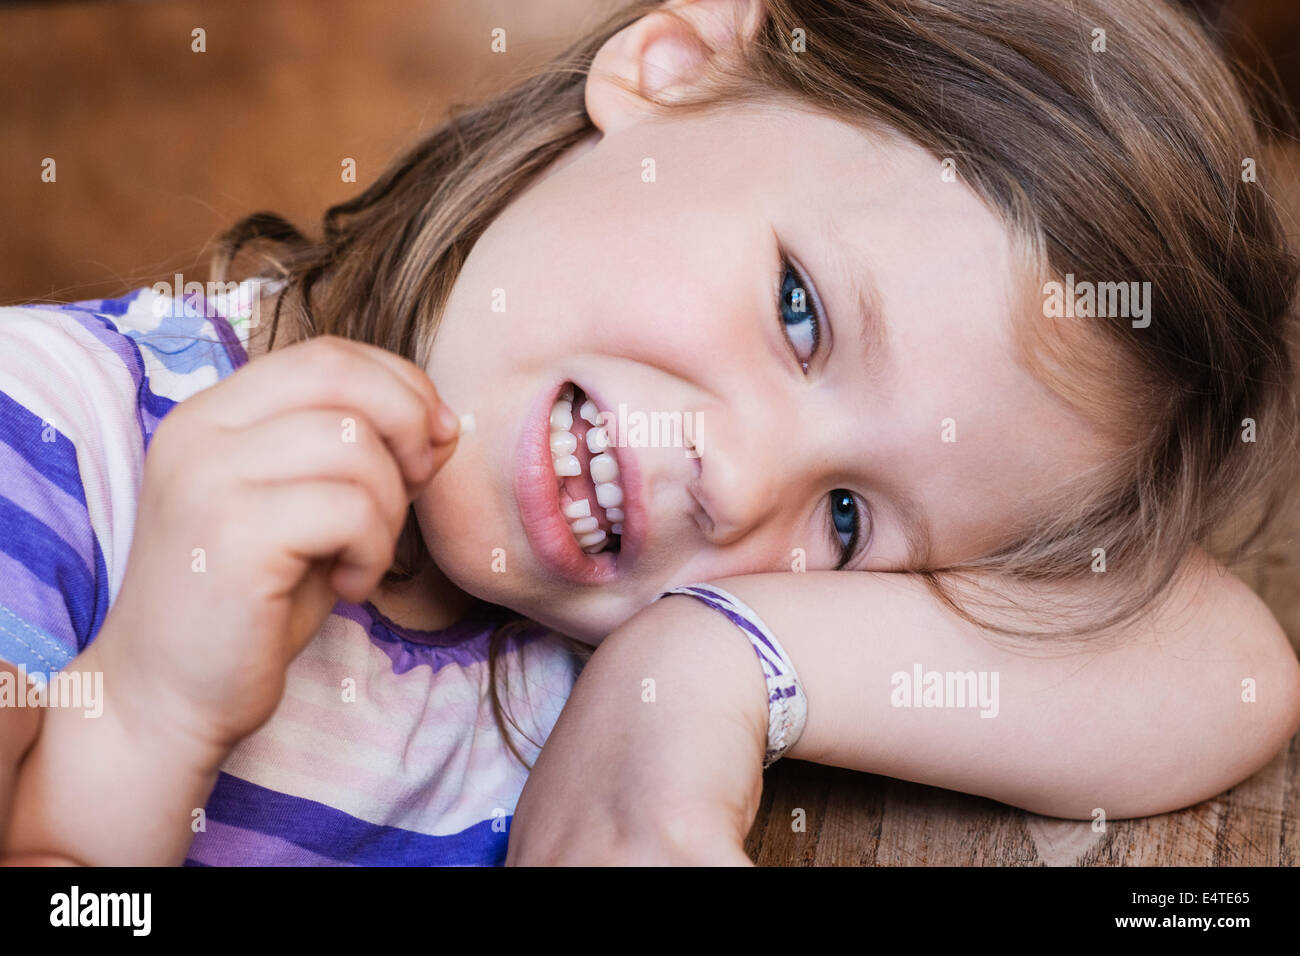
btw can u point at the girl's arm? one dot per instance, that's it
(192, 659)
(656, 757)
(19, 727)
(120, 786)
(1175, 710)
(1179, 709)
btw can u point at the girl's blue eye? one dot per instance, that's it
(850, 523)
(846, 523)
(802, 326)
(798, 315)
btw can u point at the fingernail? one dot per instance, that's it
(449, 422)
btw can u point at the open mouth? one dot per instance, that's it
(586, 471)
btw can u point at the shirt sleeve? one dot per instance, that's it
(786, 703)
(70, 462)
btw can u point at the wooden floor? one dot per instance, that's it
(857, 819)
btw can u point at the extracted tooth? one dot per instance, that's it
(561, 415)
(590, 540)
(614, 514)
(617, 528)
(578, 509)
(597, 439)
(603, 469)
(609, 495)
(566, 393)
(584, 525)
(589, 412)
(568, 467)
(563, 443)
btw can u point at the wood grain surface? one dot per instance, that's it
(857, 819)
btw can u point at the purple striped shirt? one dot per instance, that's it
(383, 750)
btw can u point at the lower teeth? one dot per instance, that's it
(610, 542)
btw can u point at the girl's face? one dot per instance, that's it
(657, 268)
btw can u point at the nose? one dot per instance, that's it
(742, 464)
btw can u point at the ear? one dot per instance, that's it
(664, 53)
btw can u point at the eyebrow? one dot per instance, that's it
(852, 272)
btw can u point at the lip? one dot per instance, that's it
(545, 527)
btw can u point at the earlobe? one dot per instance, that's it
(662, 52)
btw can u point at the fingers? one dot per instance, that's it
(445, 422)
(393, 395)
(331, 440)
(320, 444)
(317, 520)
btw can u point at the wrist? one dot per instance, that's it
(657, 756)
(705, 724)
(152, 716)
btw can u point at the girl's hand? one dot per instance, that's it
(265, 499)
(661, 773)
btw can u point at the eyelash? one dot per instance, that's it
(811, 312)
(847, 548)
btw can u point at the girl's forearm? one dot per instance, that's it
(1173, 712)
(657, 755)
(1157, 721)
(120, 788)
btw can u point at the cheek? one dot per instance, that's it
(461, 510)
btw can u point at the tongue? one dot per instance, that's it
(576, 487)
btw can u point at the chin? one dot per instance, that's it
(584, 631)
(467, 559)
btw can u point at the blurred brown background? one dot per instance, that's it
(159, 149)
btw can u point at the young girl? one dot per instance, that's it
(828, 238)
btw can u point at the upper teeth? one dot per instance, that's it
(604, 470)
(561, 416)
(563, 443)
